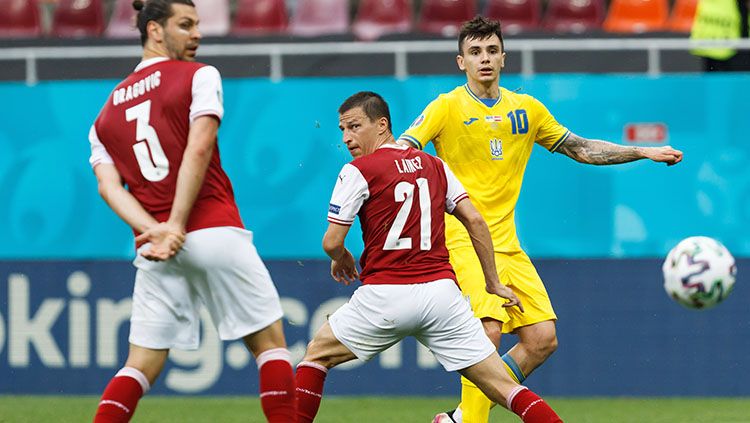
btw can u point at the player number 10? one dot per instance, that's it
(519, 121)
(404, 193)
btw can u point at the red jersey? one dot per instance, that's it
(401, 195)
(143, 130)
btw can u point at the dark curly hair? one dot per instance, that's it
(154, 10)
(479, 28)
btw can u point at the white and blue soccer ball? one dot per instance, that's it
(699, 272)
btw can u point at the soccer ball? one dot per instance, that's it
(699, 272)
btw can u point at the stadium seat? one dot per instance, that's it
(445, 16)
(256, 17)
(376, 18)
(320, 17)
(214, 17)
(683, 14)
(636, 16)
(78, 18)
(574, 16)
(122, 22)
(515, 15)
(19, 19)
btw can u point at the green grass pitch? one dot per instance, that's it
(378, 409)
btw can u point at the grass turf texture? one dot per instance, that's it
(378, 409)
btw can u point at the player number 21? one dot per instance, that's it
(151, 158)
(404, 193)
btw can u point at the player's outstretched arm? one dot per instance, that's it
(481, 239)
(343, 266)
(599, 152)
(195, 160)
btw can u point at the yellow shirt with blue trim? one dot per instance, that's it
(487, 148)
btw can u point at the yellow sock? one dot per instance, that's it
(475, 406)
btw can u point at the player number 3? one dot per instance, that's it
(404, 193)
(151, 158)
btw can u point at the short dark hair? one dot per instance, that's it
(154, 10)
(371, 103)
(480, 28)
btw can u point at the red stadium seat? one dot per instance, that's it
(376, 18)
(78, 18)
(636, 16)
(320, 17)
(19, 19)
(214, 17)
(683, 14)
(515, 15)
(122, 22)
(445, 16)
(574, 15)
(256, 17)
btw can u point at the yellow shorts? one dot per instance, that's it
(515, 270)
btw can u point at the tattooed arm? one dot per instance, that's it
(598, 152)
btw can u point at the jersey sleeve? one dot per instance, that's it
(550, 134)
(349, 194)
(208, 94)
(455, 192)
(428, 125)
(99, 154)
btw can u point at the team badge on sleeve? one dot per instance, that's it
(496, 149)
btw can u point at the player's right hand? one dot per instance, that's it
(344, 270)
(165, 239)
(504, 292)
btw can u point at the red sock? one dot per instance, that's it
(121, 396)
(310, 379)
(277, 396)
(530, 407)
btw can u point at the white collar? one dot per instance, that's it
(149, 62)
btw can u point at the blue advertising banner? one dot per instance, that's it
(281, 147)
(64, 326)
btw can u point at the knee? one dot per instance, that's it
(545, 345)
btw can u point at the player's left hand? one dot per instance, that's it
(344, 270)
(665, 154)
(166, 240)
(504, 292)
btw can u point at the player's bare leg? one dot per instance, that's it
(277, 393)
(490, 376)
(121, 395)
(535, 344)
(323, 352)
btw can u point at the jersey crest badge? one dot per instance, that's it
(496, 149)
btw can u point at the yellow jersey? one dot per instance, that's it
(487, 147)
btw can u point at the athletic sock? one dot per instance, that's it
(310, 380)
(277, 394)
(530, 407)
(121, 396)
(475, 406)
(513, 369)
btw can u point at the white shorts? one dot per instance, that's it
(218, 268)
(435, 313)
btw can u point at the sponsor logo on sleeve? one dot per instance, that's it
(334, 209)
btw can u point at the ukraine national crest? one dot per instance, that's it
(496, 149)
